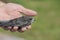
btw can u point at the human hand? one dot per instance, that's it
(11, 11)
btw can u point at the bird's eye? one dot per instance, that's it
(30, 19)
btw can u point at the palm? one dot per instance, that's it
(7, 12)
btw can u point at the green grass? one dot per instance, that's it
(47, 24)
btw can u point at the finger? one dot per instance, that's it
(26, 11)
(13, 29)
(28, 27)
(9, 27)
(30, 12)
(22, 29)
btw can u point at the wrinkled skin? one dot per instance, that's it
(11, 10)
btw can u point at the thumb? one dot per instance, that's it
(30, 12)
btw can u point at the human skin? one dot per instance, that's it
(11, 11)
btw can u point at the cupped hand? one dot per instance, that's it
(11, 11)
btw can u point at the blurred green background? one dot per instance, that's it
(47, 24)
